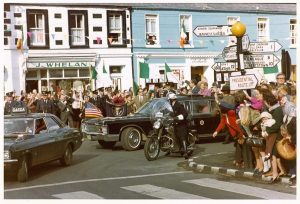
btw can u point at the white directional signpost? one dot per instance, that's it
(245, 42)
(263, 60)
(243, 82)
(212, 30)
(225, 66)
(229, 53)
(271, 46)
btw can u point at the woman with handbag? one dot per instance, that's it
(273, 132)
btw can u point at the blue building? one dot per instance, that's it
(157, 30)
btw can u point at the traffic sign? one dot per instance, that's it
(260, 61)
(225, 66)
(245, 42)
(213, 30)
(243, 82)
(271, 46)
(229, 53)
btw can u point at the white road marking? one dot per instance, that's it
(95, 180)
(77, 195)
(241, 189)
(161, 192)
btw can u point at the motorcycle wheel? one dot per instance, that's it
(151, 149)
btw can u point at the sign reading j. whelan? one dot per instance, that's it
(59, 64)
(243, 82)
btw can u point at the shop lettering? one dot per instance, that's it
(59, 64)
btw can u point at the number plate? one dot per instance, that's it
(89, 137)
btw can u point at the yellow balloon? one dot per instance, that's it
(238, 29)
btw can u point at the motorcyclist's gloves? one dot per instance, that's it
(180, 117)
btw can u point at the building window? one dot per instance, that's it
(115, 69)
(152, 35)
(115, 29)
(185, 28)
(263, 29)
(230, 21)
(78, 28)
(293, 32)
(37, 21)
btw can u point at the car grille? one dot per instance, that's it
(92, 128)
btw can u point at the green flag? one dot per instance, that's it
(94, 73)
(167, 68)
(271, 70)
(144, 70)
(104, 70)
(135, 88)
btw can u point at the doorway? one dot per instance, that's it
(197, 73)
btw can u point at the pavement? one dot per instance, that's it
(217, 158)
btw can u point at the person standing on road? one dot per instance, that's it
(45, 105)
(65, 111)
(181, 125)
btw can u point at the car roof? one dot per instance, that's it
(192, 97)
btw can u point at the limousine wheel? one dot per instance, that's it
(67, 158)
(131, 139)
(105, 144)
(22, 174)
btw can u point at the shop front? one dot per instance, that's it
(55, 76)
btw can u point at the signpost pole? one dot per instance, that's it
(238, 30)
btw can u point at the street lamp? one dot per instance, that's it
(238, 30)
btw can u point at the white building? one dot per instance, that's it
(62, 42)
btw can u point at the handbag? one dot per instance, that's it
(255, 141)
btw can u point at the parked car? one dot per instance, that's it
(33, 139)
(131, 130)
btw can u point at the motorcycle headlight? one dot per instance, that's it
(6, 154)
(157, 125)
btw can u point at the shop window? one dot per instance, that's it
(185, 28)
(152, 36)
(293, 32)
(37, 21)
(116, 23)
(263, 29)
(115, 69)
(54, 73)
(70, 73)
(31, 74)
(78, 28)
(84, 73)
(43, 74)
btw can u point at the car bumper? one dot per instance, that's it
(10, 164)
(96, 137)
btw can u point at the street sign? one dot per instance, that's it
(271, 46)
(213, 30)
(245, 42)
(225, 66)
(243, 82)
(260, 61)
(229, 53)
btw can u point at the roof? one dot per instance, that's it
(274, 8)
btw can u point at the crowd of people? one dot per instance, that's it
(269, 110)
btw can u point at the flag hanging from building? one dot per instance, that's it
(169, 76)
(144, 70)
(91, 111)
(93, 73)
(103, 79)
(20, 41)
(182, 35)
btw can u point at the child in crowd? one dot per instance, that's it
(267, 121)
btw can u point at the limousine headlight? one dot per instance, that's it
(6, 154)
(157, 124)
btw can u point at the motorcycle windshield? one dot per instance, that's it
(161, 108)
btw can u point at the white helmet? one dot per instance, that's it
(172, 96)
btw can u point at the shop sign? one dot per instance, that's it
(243, 82)
(59, 64)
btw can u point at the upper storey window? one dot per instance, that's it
(263, 32)
(152, 34)
(78, 28)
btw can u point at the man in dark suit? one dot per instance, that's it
(181, 123)
(8, 103)
(102, 100)
(65, 111)
(45, 105)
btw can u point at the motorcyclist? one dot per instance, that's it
(181, 124)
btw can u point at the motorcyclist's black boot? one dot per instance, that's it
(185, 155)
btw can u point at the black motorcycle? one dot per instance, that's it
(162, 137)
